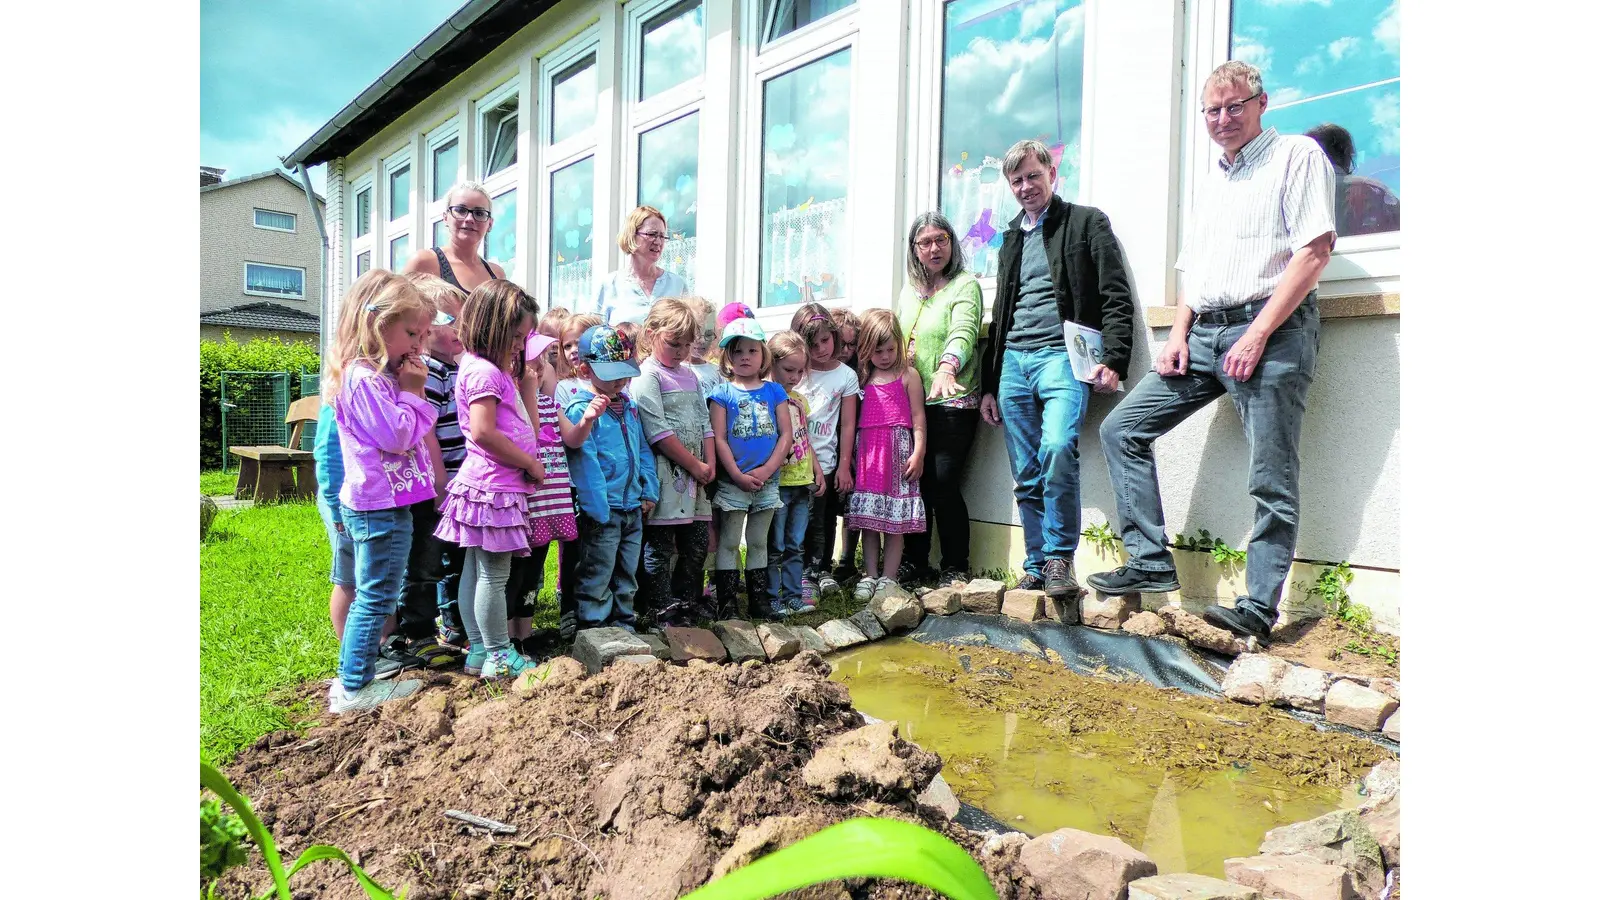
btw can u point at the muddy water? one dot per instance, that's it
(1038, 762)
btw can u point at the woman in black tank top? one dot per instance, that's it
(465, 203)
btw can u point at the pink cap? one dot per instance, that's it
(733, 311)
(538, 344)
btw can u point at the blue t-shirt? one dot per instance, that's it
(752, 420)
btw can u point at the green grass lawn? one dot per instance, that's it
(217, 482)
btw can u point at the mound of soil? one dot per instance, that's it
(1323, 644)
(639, 782)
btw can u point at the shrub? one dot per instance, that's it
(258, 355)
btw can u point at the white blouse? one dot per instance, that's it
(621, 298)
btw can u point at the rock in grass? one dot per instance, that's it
(1068, 864)
(839, 634)
(1185, 886)
(1254, 677)
(1360, 707)
(778, 641)
(597, 647)
(867, 623)
(208, 514)
(982, 596)
(741, 639)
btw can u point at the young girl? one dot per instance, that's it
(831, 390)
(704, 368)
(376, 380)
(890, 444)
(678, 427)
(799, 479)
(486, 507)
(752, 441)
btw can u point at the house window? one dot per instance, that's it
(501, 244)
(1011, 71)
(441, 233)
(363, 211)
(673, 48)
(1338, 67)
(274, 221)
(574, 95)
(399, 252)
(669, 177)
(805, 163)
(571, 209)
(400, 192)
(444, 167)
(363, 262)
(499, 135)
(282, 282)
(780, 17)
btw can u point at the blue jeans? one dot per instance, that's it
(382, 539)
(344, 551)
(1041, 409)
(1271, 405)
(608, 567)
(786, 544)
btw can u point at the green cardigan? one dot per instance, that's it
(947, 325)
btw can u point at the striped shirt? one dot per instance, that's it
(440, 391)
(1250, 218)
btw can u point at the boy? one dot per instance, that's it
(615, 475)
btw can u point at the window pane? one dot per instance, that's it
(500, 137)
(399, 193)
(399, 252)
(363, 263)
(363, 211)
(674, 48)
(267, 218)
(989, 53)
(275, 280)
(779, 17)
(571, 234)
(669, 180)
(573, 100)
(441, 234)
(444, 167)
(805, 160)
(501, 244)
(1335, 66)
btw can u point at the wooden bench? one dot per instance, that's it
(272, 472)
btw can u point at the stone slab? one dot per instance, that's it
(868, 624)
(810, 638)
(1024, 606)
(741, 639)
(982, 596)
(1107, 611)
(1360, 707)
(1186, 886)
(839, 634)
(694, 643)
(597, 647)
(942, 602)
(779, 642)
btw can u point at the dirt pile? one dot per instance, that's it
(638, 782)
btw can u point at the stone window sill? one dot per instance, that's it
(1355, 306)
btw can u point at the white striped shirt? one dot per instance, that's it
(1250, 218)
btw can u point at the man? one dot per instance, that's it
(1248, 327)
(1059, 263)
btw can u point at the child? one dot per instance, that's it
(376, 377)
(703, 368)
(848, 324)
(678, 427)
(616, 480)
(752, 441)
(799, 479)
(568, 374)
(831, 390)
(889, 449)
(486, 506)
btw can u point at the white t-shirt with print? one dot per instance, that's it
(824, 392)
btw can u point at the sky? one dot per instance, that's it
(273, 71)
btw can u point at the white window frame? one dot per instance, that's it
(555, 157)
(789, 53)
(436, 139)
(394, 229)
(366, 243)
(557, 63)
(256, 220)
(498, 181)
(245, 286)
(1361, 264)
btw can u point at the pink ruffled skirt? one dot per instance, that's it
(496, 521)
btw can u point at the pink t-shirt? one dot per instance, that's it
(477, 379)
(380, 440)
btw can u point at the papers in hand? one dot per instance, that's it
(1085, 347)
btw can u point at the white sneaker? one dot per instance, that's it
(864, 589)
(883, 588)
(375, 693)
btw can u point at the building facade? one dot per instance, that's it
(790, 143)
(260, 258)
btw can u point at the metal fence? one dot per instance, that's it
(310, 383)
(254, 405)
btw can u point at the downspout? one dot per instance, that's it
(326, 303)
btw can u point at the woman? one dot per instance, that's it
(626, 294)
(467, 218)
(940, 308)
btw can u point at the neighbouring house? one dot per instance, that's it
(260, 258)
(791, 142)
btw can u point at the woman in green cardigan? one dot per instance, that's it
(940, 308)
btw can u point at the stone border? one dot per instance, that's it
(1355, 701)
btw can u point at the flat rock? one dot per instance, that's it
(1339, 838)
(658, 645)
(868, 624)
(839, 634)
(1068, 864)
(1185, 886)
(1303, 687)
(810, 639)
(1360, 707)
(982, 596)
(1383, 820)
(1390, 686)
(740, 638)
(694, 643)
(1146, 623)
(937, 798)
(872, 762)
(1024, 606)
(778, 641)
(1107, 611)
(1201, 633)
(1391, 727)
(897, 610)
(1381, 781)
(942, 602)
(597, 647)
(1291, 877)
(1254, 677)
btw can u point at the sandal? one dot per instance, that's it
(864, 588)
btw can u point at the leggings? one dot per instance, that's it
(666, 579)
(753, 527)
(482, 598)
(950, 436)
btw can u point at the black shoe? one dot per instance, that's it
(1128, 580)
(727, 586)
(1030, 582)
(952, 577)
(1059, 580)
(396, 650)
(760, 600)
(384, 667)
(1241, 622)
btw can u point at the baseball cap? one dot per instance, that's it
(608, 353)
(732, 312)
(742, 328)
(537, 344)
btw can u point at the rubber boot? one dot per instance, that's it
(727, 582)
(760, 603)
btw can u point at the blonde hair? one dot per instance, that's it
(488, 323)
(376, 300)
(785, 344)
(725, 364)
(574, 324)
(703, 310)
(436, 289)
(671, 317)
(554, 323)
(877, 326)
(468, 187)
(1233, 72)
(628, 238)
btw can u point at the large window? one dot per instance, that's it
(363, 262)
(272, 220)
(780, 17)
(574, 93)
(361, 236)
(669, 177)
(446, 157)
(501, 244)
(400, 192)
(497, 134)
(399, 252)
(569, 86)
(805, 165)
(282, 282)
(363, 210)
(1334, 70)
(441, 233)
(673, 48)
(572, 235)
(1012, 71)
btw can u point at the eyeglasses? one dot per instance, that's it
(942, 240)
(650, 236)
(1235, 110)
(440, 317)
(476, 212)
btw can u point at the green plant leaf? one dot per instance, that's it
(318, 852)
(214, 781)
(858, 848)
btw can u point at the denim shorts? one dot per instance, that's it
(732, 498)
(344, 550)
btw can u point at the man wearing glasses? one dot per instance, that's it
(1248, 327)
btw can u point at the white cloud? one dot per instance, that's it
(1340, 48)
(1311, 65)
(997, 93)
(1284, 95)
(1387, 32)
(1247, 49)
(281, 132)
(1386, 116)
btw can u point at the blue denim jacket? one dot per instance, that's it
(330, 464)
(615, 471)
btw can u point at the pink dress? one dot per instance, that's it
(884, 501)
(551, 514)
(486, 505)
